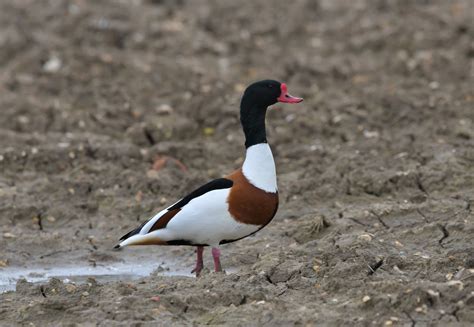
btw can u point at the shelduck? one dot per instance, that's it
(226, 209)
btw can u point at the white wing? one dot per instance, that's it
(204, 220)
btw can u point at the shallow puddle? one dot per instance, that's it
(79, 274)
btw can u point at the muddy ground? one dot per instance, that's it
(376, 167)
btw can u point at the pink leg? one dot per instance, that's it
(217, 262)
(199, 263)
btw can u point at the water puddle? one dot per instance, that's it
(79, 274)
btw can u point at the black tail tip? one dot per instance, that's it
(117, 247)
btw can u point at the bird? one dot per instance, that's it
(225, 209)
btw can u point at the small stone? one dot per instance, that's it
(164, 109)
(370, 134)
(3, 263)
(51, 219)
(206, 88)
(23, 119)
(434, 85)
(172, 25)
(85, 293)
(136, 114)
(336, 119)
(239, 88)
(8, 235)
(70, 288)
(432, 293)
(52, 65)
(422, 309)
(365, 237)
(456, 283)
(388, 323)
(366, 299)
(398, 244)
(152, 174)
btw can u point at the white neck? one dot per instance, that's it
(259, 167)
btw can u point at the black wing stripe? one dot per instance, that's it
(133, 232)
(217, 184)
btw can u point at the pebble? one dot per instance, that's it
(365, 237)
(432, 293)
(422, 309)
(8, 235)
(457, 283)
(366, 298)
(370, 134)
(23, 119)
(70, 288)
(164, 109)
(397, 243)
(434, 85)
(52, 65)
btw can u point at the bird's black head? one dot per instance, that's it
(262, 94)
(265, 93)
(257, 97)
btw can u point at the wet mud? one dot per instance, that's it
(112, 109)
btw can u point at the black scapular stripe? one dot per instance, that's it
(133, 232)
(216, 184)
